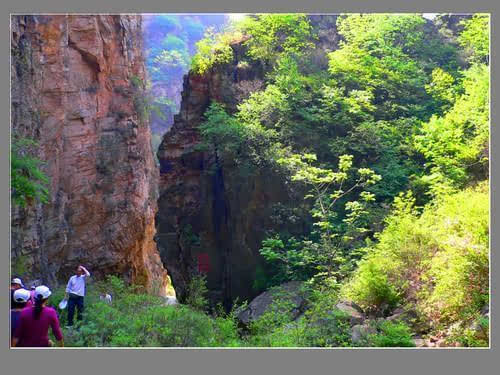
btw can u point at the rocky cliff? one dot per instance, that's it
(77, 89)
(207, 221)
(212, 218)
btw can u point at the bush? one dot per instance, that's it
(136, 320)
(371, 289)
(196, 293)
(391, 335)
(438, 261)
(28, 182)
(321, 325)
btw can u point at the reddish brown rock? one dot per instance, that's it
(77, 90)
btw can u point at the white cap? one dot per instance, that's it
(17, 280)
(43, 291)
(22, 295)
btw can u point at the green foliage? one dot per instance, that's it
(213, 49)
(233, 140)
(141, 100)
(221, 131)
(458, 276)
(196, 293)
(272, 34)
(326, 189)
(442, 88)
(474, 335)
(321, 325)
(456, 143)
(439, 259)
(139, 320)
(475, 37)
(27, 180)
(380, 56)
(371, 289)
(391, 334)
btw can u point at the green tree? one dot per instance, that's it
(475, 37)
(28, 182)
(275, 34)
(456, 144)
(326, 189)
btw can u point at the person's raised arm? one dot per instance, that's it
(87, 273)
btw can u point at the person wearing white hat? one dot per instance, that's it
(15, 284)
(75, 290)
(34, 323)
(19, 300)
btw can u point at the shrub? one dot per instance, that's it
(136, 319)
(437, 261)
(321, 325)
(371, 289)
(391, 335)
(196, 293)
(213, 49)
(28, 182)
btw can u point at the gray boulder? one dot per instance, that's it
(361, 331)
(291, 293)
(354, 311)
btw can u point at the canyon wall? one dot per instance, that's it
(78, 90)
(212, 218)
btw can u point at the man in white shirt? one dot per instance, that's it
(75, 290)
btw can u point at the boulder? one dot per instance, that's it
(407, 316)
(419, 342)
(360, 331)
(354, 311)
(290, 292)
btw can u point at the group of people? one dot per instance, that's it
(31, 318)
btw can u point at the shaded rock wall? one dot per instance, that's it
(212, 218)
(77, 86)
(208, 220)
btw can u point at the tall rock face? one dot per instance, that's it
(208, 221)
(77, 89)
(212, 218)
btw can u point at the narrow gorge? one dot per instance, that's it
(256, 180)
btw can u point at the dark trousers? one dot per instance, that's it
(74, 301)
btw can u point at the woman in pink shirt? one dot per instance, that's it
(34, 323)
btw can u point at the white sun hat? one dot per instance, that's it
(43, 291)
(22, 295)
(18, 281)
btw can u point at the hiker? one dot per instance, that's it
(34, 322)
(75, 290)
(20, 299)
(15, 284)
